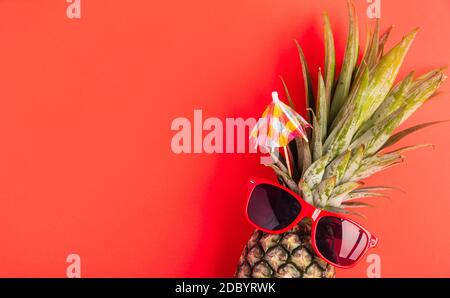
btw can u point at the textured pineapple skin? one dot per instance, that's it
(285, 255)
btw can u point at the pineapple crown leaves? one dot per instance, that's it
(354, 116)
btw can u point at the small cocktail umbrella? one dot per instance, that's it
(278, 125)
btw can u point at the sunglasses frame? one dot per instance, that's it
(307, 210)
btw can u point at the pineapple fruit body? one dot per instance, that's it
(284, 255)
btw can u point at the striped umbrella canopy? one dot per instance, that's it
(278, 125)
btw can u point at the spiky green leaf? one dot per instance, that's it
(306, 192)
(306, 78)
(288, 94)
(285, 178)
(372, 54)
(330, 63)
(401, 134)
(344, 211)
(383, 77)
(376, 188)
(356, 204)
(322, 107)
(316, 143)
(325, 188)
(376, 137)
(361, 195)
(376, 164)
(341, 192)
(409, 148)
(304, 158)
(345, 134)
(338, 166)
(393, 102)
(314, 173)
(420, 93)
(350, 59)
(383, 39)
(353, 164)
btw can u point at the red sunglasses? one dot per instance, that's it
(335, 238)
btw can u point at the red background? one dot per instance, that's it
(86, 105)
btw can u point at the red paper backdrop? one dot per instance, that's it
(86, 165)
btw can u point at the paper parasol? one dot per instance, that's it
(278, 125)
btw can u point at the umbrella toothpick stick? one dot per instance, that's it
(288, 164)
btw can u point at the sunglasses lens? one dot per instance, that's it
(272, 208)
(340, 241)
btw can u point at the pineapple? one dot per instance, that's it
(354, 118)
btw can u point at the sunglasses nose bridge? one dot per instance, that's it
(315, 213)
